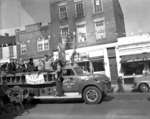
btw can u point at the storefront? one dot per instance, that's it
(89, 58)
(98, 58)
(133, 56)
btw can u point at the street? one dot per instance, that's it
(115, 106)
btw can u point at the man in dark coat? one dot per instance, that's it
(59, 79)
(12, 66)
(30, 65)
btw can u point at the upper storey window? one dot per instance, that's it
(98, 6)
(42, 44)
(100, 29)
(79, 8)
(62, 11)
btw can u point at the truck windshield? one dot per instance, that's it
(79, 71)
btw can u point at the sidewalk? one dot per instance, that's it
(128, 94)
(127, 88)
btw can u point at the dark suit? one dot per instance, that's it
(59, 81)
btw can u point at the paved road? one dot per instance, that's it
(117, 106)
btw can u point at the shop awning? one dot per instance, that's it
(135, 58)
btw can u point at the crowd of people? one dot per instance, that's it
(15, 66)
(45, 64)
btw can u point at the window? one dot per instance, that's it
(98, 65)
(64, 33)
(62, 12)
(68, 72)
(81, 33)
(100, 29)
(46, 45)
(40, 47)
(98, 6)
(79, 8)
(132, 68)
(42, 44)
(23, 48)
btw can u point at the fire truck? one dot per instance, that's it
(42, 85)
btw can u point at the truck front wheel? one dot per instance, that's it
(92, 95)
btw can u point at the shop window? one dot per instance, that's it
(133, 68)
(98, 65)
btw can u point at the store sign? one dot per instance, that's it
(35, 78)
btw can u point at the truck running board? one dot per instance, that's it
(66, 96)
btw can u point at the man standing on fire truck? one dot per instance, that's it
(59, 78)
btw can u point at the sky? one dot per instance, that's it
(18, 13)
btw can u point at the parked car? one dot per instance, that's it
(142, 83)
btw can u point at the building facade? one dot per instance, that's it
(133, 56)
(34, 42)
(8, 48)
(89, 24)
(94, 21)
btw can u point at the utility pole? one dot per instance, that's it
(61, 50)
(74, 48)
(62, 47)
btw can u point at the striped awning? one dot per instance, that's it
(135, 58)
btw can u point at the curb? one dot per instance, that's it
(126, 88)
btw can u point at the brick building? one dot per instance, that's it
(34, 41)
(96, 23)
(91, 25)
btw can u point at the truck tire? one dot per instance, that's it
(92, 95)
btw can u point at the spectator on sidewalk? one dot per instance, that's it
(120, 84)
